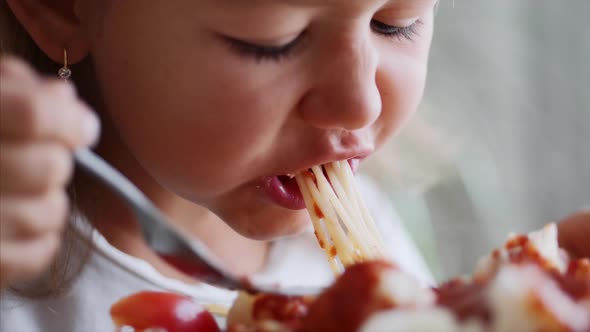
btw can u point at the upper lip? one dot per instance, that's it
(324, 159)
(325, 147)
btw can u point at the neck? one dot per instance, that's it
(116, 223)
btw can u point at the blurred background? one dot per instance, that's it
(502, 140)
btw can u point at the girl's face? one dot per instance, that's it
(215, 98)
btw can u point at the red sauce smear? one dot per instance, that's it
(321, 243)
(522, 250)
(576, 281)
(465, 299)
(318, 211)
(288, 310)
(333, 252)
(195, 270)
(346, 305)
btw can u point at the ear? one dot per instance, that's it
(53, 25)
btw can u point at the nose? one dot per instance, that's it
(344, 94)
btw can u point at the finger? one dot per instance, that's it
(574, 234)
(22, 218)
(15, 68)
(34, 168)
(26, 259)
(48, 111)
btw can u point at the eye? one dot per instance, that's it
(264, 52)
(407, 32)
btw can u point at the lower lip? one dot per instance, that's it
(285, 192)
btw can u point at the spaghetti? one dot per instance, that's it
(343, 226)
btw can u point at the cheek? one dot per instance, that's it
(401, 80)
(401, 91)
(174, 111)
(194, 142)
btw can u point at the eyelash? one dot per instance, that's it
(391, 31)
(263, 52)
(281, 52)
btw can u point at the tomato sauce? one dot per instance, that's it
(288, 310)
(465, 299)
(351, 300)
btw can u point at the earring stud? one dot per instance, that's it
(65, 72)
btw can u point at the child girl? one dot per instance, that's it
(208, 102)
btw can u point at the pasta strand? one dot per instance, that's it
(342, 223)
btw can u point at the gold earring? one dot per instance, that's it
(65, 72)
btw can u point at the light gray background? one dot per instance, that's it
(502, 140)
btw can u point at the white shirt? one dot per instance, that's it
(110, 275)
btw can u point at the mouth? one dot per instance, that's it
(284, 191)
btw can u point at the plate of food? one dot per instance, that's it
(528, 284)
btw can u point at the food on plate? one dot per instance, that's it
(269, 311)
(363, 289)
(527, 285)
(160, 312)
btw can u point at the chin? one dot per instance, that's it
(266, 224)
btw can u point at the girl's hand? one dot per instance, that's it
(41, 122)
(574, 234)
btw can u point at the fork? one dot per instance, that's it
(185, 253)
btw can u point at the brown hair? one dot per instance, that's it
(15, 41)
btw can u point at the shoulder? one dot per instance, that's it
(107, 276)
(84, 306)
